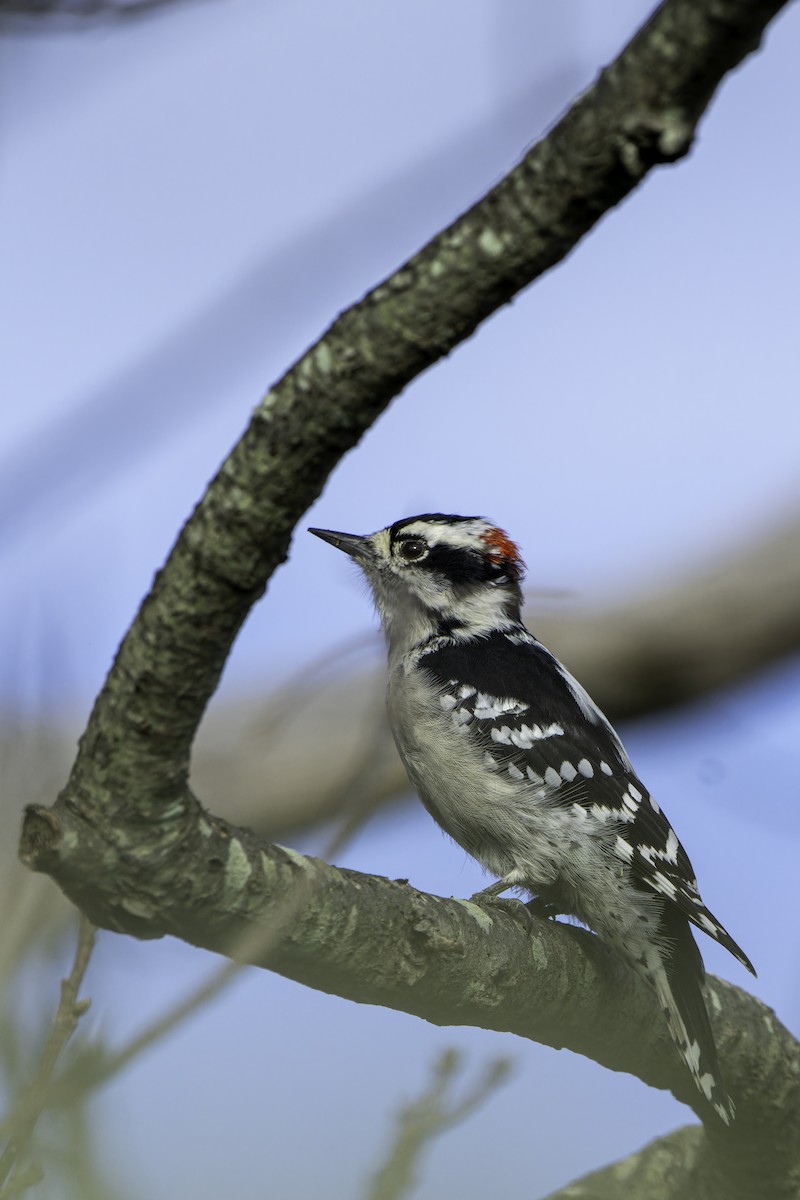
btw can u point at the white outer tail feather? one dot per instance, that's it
(709, 1080)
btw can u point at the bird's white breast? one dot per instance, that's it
(505, 822)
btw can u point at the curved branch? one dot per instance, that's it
(643, 110)
(450, 962)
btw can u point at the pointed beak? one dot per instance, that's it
(356, 546)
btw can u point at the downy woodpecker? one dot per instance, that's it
(517, 764)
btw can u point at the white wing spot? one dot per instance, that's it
(534, 778)
(526, 735)
(671, 850)
(489, 708)
(654, 806)
(552, 777)
(586, 768)
(515, 772)
(623, 850)
(603, 814)
(567, 771)
(448, 703)
(461, 716)
(489, 762)
(501, 735)
(465, 691)
(637, 795)
(606, 769)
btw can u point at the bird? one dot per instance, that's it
(516, 762)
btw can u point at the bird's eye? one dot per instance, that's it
(412, 549)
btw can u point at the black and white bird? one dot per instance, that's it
(519, 766)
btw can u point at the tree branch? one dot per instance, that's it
(76, 13)
(668, 1169)
(134, 756)
(20, 1125)
(450, 962)
(427, 1118)
(642, 111)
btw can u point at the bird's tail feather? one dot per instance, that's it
(676, 974)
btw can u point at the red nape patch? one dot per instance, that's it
(503, 550)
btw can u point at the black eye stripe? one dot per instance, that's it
(462, 565)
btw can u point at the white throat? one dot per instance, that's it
(409, 620)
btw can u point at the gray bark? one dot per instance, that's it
(451, 962)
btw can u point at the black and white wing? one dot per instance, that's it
(536, 723)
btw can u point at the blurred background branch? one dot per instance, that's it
(77, 14)
(17, 1174)
(425, 1119)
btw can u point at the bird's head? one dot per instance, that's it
(438, 573)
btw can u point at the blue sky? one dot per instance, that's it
(186, 203)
